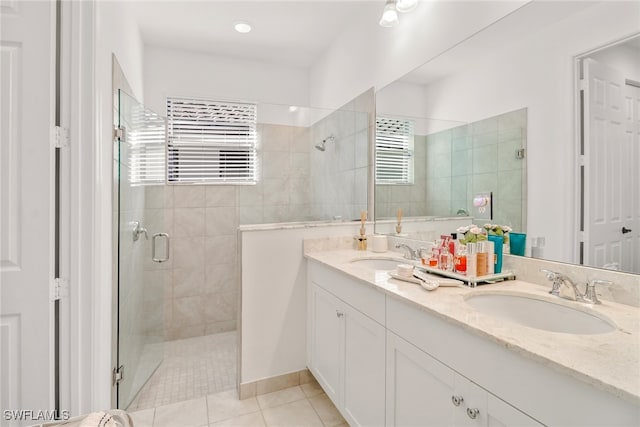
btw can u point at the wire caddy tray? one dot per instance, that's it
(472, 281)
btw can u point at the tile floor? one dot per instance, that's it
(192, 368)
(299, 406)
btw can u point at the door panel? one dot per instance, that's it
(27, 205)
(141, 280)
(364, 367)
(607, 198)
(420, 389)
(630, 247)
(327, 337)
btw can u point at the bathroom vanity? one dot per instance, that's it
(388, 352)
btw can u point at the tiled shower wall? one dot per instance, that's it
(201, 295)
(296, 183)
(451, 166)
(339, 175)
(483, 158)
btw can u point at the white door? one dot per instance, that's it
(420, 390)
(364, 369)
(501, 414)
(327, 338)
(26, 208)
(631, 190)
(606, 155)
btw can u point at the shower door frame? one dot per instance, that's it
(119, 82)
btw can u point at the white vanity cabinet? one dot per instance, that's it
(384, 360)
(421, 391)
(517, 390)
(346, 347)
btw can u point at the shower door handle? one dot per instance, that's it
(153, 247)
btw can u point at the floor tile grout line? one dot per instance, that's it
(316, 411)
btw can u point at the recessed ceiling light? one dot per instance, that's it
(242, 27)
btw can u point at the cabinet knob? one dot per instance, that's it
(339, 313)
(457, 400)
(473, 413)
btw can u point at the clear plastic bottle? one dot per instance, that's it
(445, 260)
(460, 260)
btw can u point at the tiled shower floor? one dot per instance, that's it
(192, 368)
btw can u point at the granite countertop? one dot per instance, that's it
(609, 361)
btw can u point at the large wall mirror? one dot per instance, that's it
(504, 112)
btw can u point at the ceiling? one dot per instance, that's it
(293, 33)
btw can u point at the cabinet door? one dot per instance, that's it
(472, 411)
(419, 388)
(327, 338)
(364, 369)
(501, 414)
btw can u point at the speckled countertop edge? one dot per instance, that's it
(610, 361)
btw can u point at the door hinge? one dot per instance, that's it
(60, 137)
(118, 133)
(520, 153)
(118, 375)
(582, 84)
(60, 289)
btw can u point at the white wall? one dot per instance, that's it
(538, 73)
(624, 58)
(274, 291)
(171, 72)
(367, 55)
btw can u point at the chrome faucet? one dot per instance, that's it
(589, 296)
(410, 252)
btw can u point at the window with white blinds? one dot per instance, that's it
(144, 135)
(211, 141)
(394, 151)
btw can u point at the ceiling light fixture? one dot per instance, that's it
(242, 27)
(404, 6)
(389, 15)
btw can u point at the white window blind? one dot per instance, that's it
(211, 141)
(394, 151)
(145, 134)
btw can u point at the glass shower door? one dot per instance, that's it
(143, 246)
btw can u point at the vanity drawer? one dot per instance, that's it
(357, 294)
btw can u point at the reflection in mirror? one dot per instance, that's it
(455, 166)
(529, 60)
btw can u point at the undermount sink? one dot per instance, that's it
(539, 313)
(379, 263)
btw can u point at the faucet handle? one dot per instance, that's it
(590, 291)
(556, 279)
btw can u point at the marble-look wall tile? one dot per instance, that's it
(188, 196)
(222, 195)
(188, 222)
(221, 221)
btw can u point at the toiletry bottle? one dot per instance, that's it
(491, 258)
(481, 259)
(471, 259)
(460, 260)
(453, 243)
(445, 260)
(433, 261)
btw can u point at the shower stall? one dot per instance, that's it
(178, 287)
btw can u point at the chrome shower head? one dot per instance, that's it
(322, 145)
